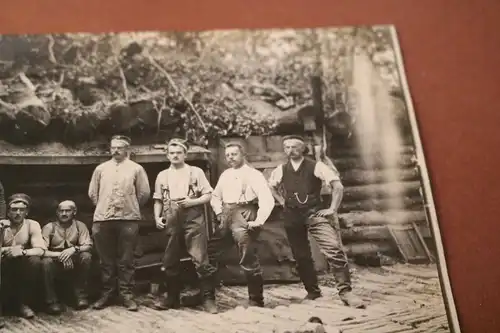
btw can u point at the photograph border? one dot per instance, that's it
(430, 208)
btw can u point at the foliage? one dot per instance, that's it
(190, 84)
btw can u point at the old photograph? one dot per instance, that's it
(219, 181)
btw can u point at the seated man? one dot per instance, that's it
(68, 256)
(21, 254)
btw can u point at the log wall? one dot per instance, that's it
(374, 195)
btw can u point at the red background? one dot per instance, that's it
(450, 50)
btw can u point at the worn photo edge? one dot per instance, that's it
(430, 208)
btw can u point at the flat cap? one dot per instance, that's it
(178, 142)
(235, 144)
(123, 138)
(293, 137)
(19, 197)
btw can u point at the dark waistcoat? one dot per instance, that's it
(302, 189)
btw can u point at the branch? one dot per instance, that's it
(124, 82)
(52, 57)
(7, 105)
(172, 83)
(27, 81)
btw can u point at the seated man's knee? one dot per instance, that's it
(46, 263)
(85, 258)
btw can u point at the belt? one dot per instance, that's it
(244, 203)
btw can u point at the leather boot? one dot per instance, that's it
(81, 298)
(26, 312)
(255, 290)
(208, 294)
(309, 278)
(54, 308)
(173, 298)
(343, 282)
(103, 301)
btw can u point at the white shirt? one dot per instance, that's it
(321, 170)
(243, 185)
(178, 180)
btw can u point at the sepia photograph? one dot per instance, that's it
(257, 181)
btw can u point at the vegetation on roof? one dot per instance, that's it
(73, 88)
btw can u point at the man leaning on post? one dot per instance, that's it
(242, 201)
(118, 189)
(297, 187)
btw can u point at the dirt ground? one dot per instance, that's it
(401, 298)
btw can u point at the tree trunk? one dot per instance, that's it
(381, 204)
(362, 177)
(385, 190)
(369, 248)
(349, 163)
(349, 220)
(374, 233)
(341, 153)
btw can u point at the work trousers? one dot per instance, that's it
(189, 227)
(115, 242)
(325, 231)
(75, 278)
(20, 276)
(233, 228)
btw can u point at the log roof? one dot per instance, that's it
(88, 153)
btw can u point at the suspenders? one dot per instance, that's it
(193, 184)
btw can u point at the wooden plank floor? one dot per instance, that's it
(401, 298)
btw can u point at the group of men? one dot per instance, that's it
(242, 201)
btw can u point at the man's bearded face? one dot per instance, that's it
(66, 213)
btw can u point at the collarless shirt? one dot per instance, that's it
(118, 190)
(243, 185)
(60, 237)
(178, 180)
(28, 235)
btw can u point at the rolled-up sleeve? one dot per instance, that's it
(216, 200)
(204, 185)
(264, 195)
(36, 238)
(46, 231)
(158, 193)
(94, 186)
(325, 173)
(276, 176)
(142, 186)
(83, 235)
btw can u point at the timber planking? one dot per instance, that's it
(402, 298)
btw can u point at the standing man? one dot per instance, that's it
(181, 191)
(118, 189)
(21, 255)
(243, 202)
(297, 187)
(69, 255)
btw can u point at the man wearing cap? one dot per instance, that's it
(297, 187)
(181, 191)
(118, 188)
(69, 255)
(243, 202)
(21, 254)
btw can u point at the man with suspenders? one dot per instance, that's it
(69, 252)
(242, 201)
(181, 191)
(297, 187)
